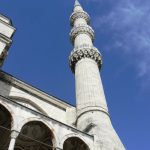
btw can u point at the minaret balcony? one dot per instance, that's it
(84, 52)
(79, 14)
(81, 29)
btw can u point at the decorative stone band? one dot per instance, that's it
(84, 110)
(84, 52)
(5, 39)
(79, 14)
(86, 29)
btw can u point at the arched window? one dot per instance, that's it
(74, 143)
(35, 136)
(5, 127)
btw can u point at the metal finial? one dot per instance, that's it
(77, 3)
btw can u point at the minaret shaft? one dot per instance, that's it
(82, 39)
(89, 90)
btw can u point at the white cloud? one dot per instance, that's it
(129, 22)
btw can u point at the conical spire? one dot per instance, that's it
(77, 3)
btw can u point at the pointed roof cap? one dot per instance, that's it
(76, 3)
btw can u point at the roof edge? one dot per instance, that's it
(34, 91)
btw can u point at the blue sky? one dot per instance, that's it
(41, 46)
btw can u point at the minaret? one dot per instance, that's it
(6, 33)
(85, 62)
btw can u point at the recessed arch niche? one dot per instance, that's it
(75, 143)
(5, 127)
(28, 103)
(35, 135)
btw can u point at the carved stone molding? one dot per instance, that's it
(14, 134)
(84, 52)
(79, 14)
(81, 29)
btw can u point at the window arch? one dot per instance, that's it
(75, 143)
(5, 127)
(35, 135)
(28, 103)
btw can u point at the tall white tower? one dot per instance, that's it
(6, 33)
(85, 60)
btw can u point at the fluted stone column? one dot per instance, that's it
(85, 62)
(14, 135)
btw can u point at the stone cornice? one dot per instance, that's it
(84, 52)
(92, 108)
(82, 29)
(79, 14)
(33, 91)
(5, 19)
(5, 39)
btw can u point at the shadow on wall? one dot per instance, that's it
(35, 135)
(75, 143)
(5, 127)
(5, 86)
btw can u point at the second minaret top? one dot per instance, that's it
(82, 37)
(78, 12)
(77, 3)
